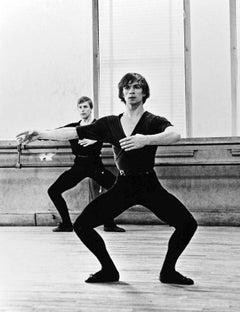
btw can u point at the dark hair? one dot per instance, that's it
(130, 78)
(85, 99)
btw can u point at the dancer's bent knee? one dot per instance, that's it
(51, 191)
(80, 228)
(188, 227)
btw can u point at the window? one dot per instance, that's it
(146, 37)
(211, 68)
(45, 61)
(237, 47)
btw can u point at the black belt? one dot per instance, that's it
(131, 173)
(82, 156)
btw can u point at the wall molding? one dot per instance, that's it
(203, 173)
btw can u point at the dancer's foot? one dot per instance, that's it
(103, 277)
(175, 278)
(63, 228)
(114, 228)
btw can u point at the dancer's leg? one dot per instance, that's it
(95, 214)
(170, 210)
(106, 179)
(65, 181)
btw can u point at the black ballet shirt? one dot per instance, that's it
(92, 150)
(109, 130)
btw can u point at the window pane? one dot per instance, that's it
(238, 57)
(147, 37)
(211, 71)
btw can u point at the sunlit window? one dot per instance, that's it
(146, 37)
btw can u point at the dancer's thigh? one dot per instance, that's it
(106, 206)
(167, 207)
(68, 179)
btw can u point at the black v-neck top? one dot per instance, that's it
(109, 129)
(93, 150)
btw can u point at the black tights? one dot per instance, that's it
(177, 243)
(127, 191)
(70, 178)
(96, 245)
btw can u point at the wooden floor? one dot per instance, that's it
(44, 271)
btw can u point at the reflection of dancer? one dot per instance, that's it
(134, 135)
(87, 163)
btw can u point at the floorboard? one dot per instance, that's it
(44, 271)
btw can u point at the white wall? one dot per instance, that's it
(45, 62)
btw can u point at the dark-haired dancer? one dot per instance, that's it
(87, 163)
(134, 135)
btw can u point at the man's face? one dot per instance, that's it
(133, 93)
(84, 110)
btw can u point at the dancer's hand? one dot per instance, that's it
(134, 142)
(27, 137)
(86, 142)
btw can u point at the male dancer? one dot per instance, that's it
(87, 163)
(134, 135)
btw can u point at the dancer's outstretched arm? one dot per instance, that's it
(96, 131)
(61, 134)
